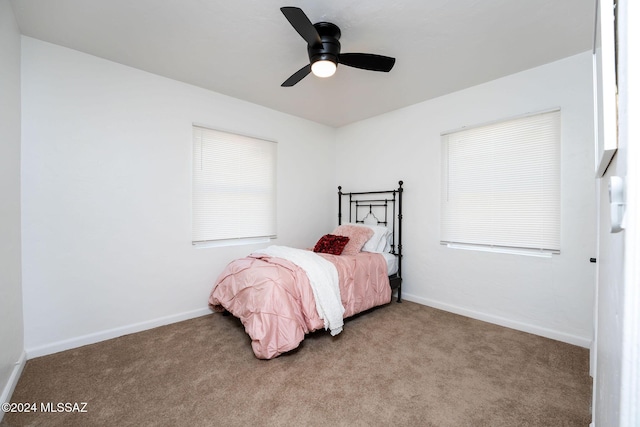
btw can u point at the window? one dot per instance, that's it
(501, 184)
(234, 186)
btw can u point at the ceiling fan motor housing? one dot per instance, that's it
(330, 48)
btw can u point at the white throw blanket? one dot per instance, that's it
(323, 277)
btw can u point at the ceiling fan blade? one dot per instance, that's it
(302, 25)
(297, 76)
(367, 61)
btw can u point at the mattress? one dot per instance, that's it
(392, 263)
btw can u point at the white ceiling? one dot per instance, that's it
(247, 48)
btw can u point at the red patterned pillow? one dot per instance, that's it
(331, 244)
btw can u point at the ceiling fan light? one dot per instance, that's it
(324, 68)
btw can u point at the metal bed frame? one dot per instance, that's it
(387, 204)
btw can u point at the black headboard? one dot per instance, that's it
(386, 207)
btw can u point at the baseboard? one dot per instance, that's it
(501, 321)
(10, 386)
(108, 334)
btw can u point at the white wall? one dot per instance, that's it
(106, 194)
(11, 330)
(551, 297)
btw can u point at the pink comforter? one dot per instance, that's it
(274, 300)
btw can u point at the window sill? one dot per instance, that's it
(230, 242)
(540, 253)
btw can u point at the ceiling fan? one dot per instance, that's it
(323, 48)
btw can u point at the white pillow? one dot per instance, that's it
(379, 242)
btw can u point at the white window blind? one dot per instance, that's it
(501, 184)
(234, 186)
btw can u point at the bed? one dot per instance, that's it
(280, 294)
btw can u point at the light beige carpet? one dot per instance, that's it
(401, 364)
